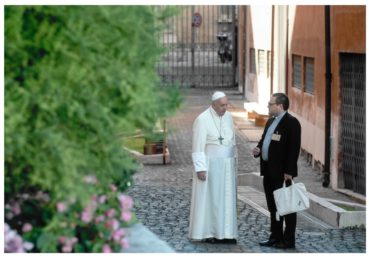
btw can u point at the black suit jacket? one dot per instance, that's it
(283, 154)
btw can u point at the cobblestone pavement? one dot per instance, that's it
(162, 195)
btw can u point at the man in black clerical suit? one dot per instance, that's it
(279, 150)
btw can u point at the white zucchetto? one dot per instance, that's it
(217, 95)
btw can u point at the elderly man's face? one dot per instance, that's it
(220, 106)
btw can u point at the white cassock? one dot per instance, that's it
(213, 203)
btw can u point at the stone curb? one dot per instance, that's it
(142, 240)
(320, 208)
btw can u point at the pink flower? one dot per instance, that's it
(13, 242)
(62, 239)
(61, 207)
(118, 234)
(16, 208)
(94, 198)
(102, 199)
(88, 212)
(27, 246)
(126, 216)
(112, 224)
(99, 219)
(106, 249)
(67, 249)
(124, 243)
(26, 227)
(110, 213)
(67, 243)
(73, 240)
(93, 204)
(6, 228)
(126, 202)
(86, 216)
(113, 188)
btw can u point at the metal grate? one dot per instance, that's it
(252, 61)
(261, 62)
(309, 75)
(352, 75)
(269, 64)
(192, 47)
(296, 72)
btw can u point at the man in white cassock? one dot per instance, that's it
(213, 215)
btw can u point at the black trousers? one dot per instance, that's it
(276, 227)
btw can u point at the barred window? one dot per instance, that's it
(269, 65)
(296, 71)
(261, 62)
(226, 12)
(252, 61)
(309, 75)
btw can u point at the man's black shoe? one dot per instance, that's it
(229, 241)
(282, 245)
(269, 242)
(211, 240)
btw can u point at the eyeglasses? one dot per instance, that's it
(271, 104)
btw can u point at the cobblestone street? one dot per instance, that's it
(162, 196)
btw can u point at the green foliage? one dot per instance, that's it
(74, 77)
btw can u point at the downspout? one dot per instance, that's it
(287, 32)
(192, 48)
(235, 45)
(328, 81)
(272, 54)
(245, 51)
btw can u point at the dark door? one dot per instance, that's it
(352, 79)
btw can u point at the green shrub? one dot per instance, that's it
(75, 76)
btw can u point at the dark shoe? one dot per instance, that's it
(229, 241)
(210, 240)
(282, 245)
(269, 242)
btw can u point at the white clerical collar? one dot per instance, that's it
(214, 113)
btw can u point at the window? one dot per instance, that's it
(269, 64)
(252, 61)
(226, 12)
(261, 62)
(309, 75)
(296, 71)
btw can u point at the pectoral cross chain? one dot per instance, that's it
(220, 128)
(220, 139)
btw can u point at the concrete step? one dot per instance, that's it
(325, 210)
(151, 158)
(256, 199)
(142, 240)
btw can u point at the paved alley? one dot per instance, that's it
(162, 195)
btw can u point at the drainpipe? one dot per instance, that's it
(235, 45)
(272, 54)
(192, 47)
(245, 50)
(287, 32)
(328, 81)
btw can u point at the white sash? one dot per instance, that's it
(220, 151)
